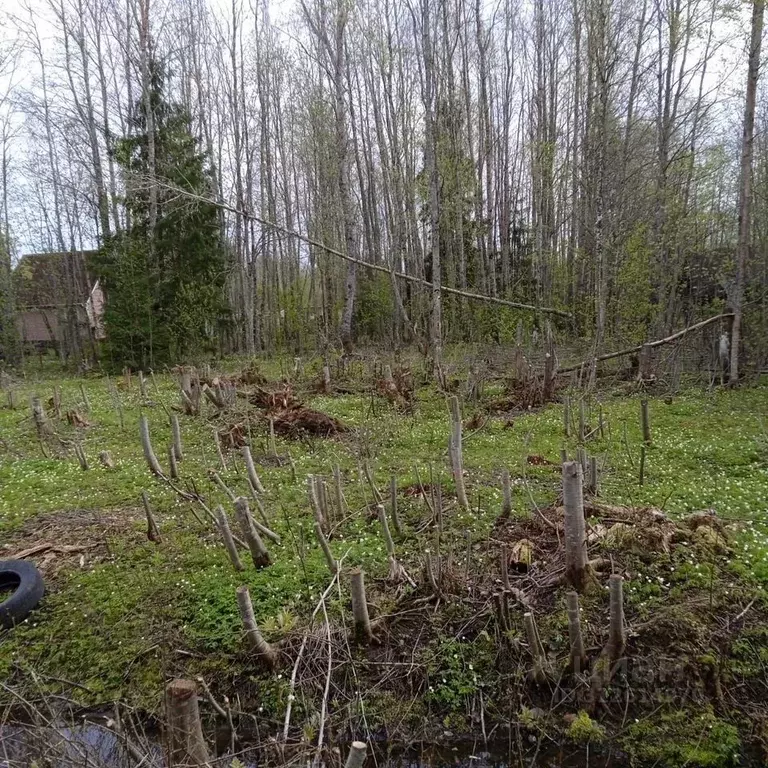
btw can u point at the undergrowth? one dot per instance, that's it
(122, 614)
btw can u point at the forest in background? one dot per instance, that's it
(333, 173)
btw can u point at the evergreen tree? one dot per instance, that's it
(165, 297)
(10, 348)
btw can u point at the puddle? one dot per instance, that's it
(92, 746)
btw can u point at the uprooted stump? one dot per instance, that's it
(523, 394)
(300, 422)
(278, 399)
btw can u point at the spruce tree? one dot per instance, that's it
(165, 297)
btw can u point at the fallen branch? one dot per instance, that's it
(650, 344)
(360, 262)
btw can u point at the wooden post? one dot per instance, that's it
(563, 455)
(582, 420)
(146, 444)
(506, 493)
(578, 655)
(616, 636)
(363, 631)
(393, 504)
(567, 416)
(12, 399)
(142, 384)
(457, 453)
(178, 450)
(252, 632)
(226, 533)
(645, 421)
(153, 532)
(575, 538)
(356, 756)
(326, 379)
(259, 553)
(57, 402)
(253, 478)
(333, 565)
(186, 744)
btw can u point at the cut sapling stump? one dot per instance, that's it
(535, 648)
(226, 534)
(259, 554)
(146, 444)
(81, 457)
(333, 565)
(253, 479)
(393, 505)
(86, 401)
(578, 659)
(178, 450)
(106, 460)
(153, 532)
(506, 493)
(456, 452)
(362, 621)
(42, 425)
(645, 421)
(616, 636)
(256, 640)
(575, 527)
(341, 506)
(397, 572)
(173, 467)
(186, 744)
(356, 756)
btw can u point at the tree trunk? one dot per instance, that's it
(745, 183)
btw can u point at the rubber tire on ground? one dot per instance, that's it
(27, 594)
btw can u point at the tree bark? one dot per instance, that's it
(745, 183)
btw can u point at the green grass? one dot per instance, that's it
(118, 627)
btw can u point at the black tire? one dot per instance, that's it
(28, 588)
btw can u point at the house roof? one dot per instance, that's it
(52, 279)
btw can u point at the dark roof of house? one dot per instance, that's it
(52, 279)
